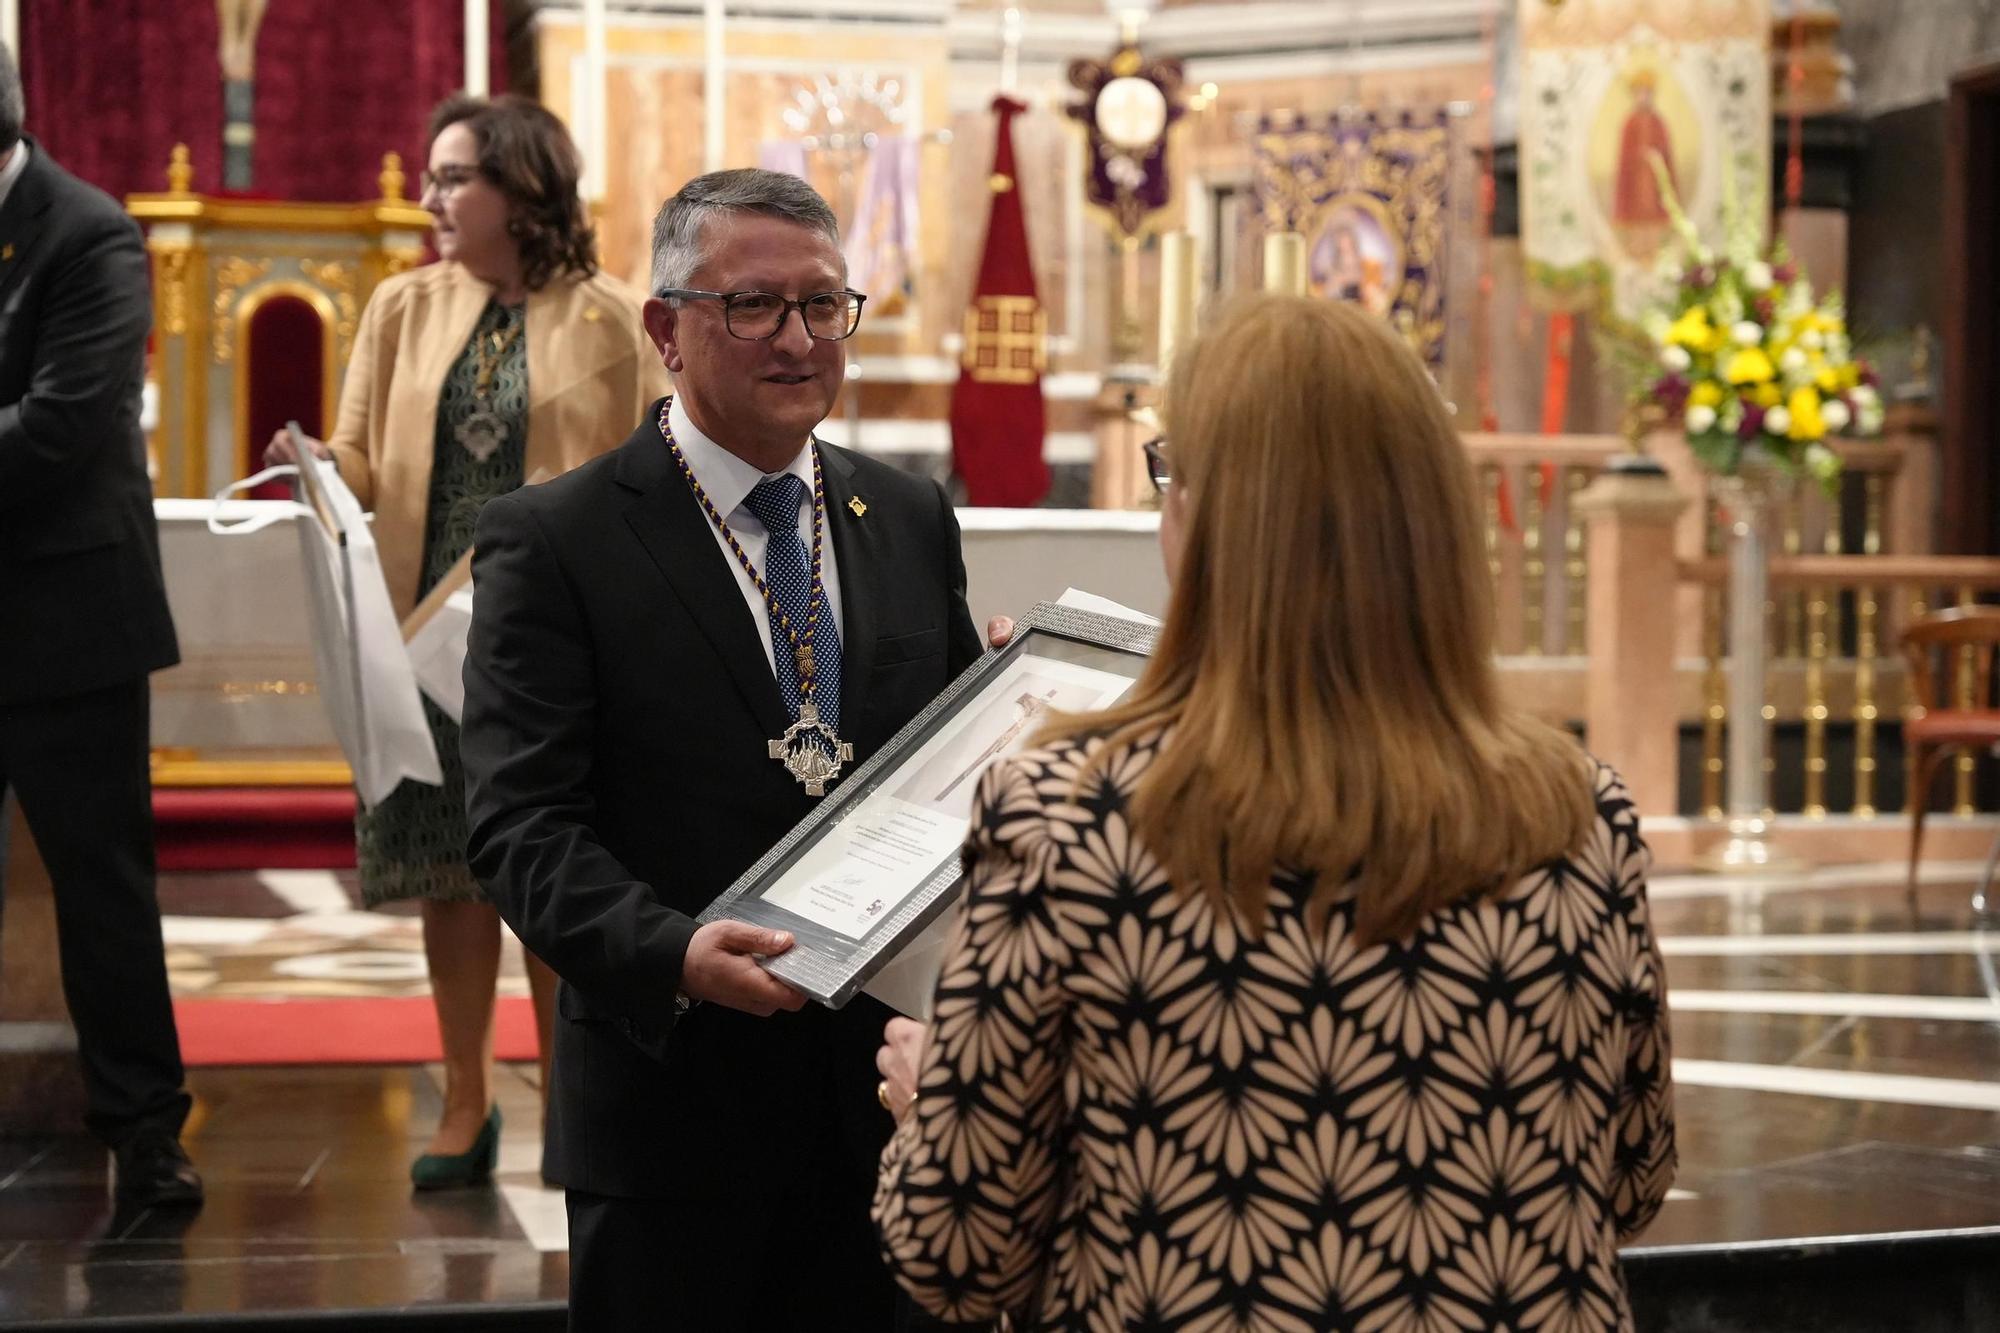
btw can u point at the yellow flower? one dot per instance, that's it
(1694, 332)
(1750, 365)
(1706, 394)
(1850, 375)
(1828, 380)
(1807, 423)
(1768, 395)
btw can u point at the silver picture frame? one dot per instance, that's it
(832, 965)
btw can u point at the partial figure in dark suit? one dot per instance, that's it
(644, 627)
(83, 620)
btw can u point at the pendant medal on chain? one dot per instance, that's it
(483, 431)
(810, 749)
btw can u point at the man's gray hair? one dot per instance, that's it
(680, 227)
(12, 107)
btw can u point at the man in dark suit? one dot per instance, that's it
(83, 620)
(643, 628)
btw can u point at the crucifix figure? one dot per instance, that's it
(237, 32)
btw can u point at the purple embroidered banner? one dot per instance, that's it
(1371, 196)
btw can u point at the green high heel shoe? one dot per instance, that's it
(474, 1166)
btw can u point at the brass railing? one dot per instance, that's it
(1537, 551)
(1823, 683)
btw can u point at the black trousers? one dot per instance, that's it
(79, 767)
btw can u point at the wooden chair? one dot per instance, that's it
(1934, 648)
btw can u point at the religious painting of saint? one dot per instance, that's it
(1356, 256)
(1644, 118)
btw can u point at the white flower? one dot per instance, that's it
(1865, 397)
(1793, 361)
(1812, 340)
(1777, 421)
(1822, 462)
(1757, 276)
(1700, 420)
(1732, 415)
(1676, 359)
(1835, 414)
(1747, 333)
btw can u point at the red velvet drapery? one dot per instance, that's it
(340, 82)
(113, 85)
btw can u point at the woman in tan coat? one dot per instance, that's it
(1310, 987)
(513, 357)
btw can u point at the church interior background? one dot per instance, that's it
(1476, 172)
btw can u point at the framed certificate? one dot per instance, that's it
(878, 861)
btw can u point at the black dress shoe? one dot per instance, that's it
(154, 1171)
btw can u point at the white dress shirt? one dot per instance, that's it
(17, 162)
(728, 480)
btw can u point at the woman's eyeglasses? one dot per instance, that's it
(448, 180)
(1158, 471)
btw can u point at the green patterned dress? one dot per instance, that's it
(412, 845)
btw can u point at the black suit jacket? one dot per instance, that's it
(82, 604)
(618, 705)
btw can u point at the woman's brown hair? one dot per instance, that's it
(1325, 673)
(525, 151)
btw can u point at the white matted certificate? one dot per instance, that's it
(871, 867)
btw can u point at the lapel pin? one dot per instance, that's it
(6, 252)
(856, 505)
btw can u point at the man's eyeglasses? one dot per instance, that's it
(446, 180)
(757, 316)
(1158, 470)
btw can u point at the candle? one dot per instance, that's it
(1285, 263)
(1179, 293)
(475, 47)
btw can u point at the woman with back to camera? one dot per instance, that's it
(511, 357)
(1310, 986)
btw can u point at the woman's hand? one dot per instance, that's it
(901, 1056)
(280, 450)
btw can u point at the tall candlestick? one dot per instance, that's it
(714, 91)
(598, 139)
(1179, 291)
(1010, 49)
(1285, 263)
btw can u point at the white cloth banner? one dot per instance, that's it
(1615, 93)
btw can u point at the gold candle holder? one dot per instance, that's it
(1285, 263)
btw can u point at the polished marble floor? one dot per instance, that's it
(1837, 1060)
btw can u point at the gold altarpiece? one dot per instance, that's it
(224, 268)
(255, 309)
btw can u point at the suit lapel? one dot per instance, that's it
(858, 551)
(21, 225)
(671, 526)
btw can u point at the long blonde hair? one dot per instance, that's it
(1325, 672)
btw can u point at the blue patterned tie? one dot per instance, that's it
(788, 569)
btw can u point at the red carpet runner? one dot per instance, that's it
(333, 1032)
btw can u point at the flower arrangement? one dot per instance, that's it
(1752, 366)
